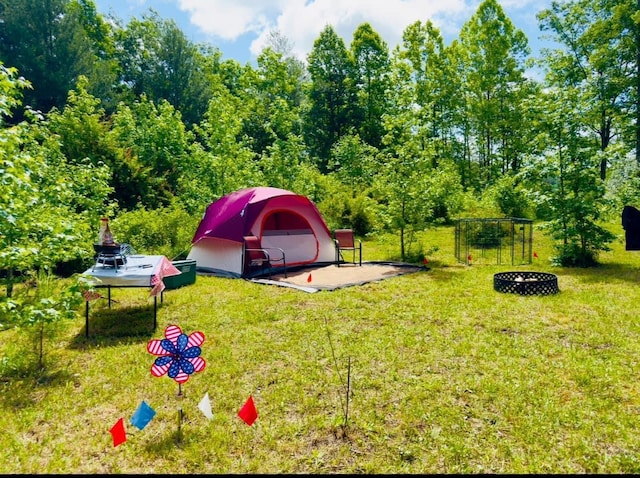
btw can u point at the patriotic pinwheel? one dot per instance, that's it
(179, 354)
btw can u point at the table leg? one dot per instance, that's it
(109, 295)
(155, 312)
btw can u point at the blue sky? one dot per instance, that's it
(239, 28)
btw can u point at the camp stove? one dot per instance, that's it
(109, 255)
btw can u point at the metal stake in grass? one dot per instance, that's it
(346, 412)
(345, 404)
(179, 425)
(180, 414)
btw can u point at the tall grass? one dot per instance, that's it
(447, 376)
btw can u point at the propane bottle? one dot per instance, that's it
(103, 228)
(108, 237)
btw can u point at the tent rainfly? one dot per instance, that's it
(279, 218)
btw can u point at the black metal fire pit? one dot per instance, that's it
(526, 283)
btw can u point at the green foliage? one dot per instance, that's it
(43, 302)
(599, 62)
(331, 96)
(52, 43)
(43, 219)
(510, 197)
(228, 162)
(157, 60)
(569, 183)
(371, 78)
(165, 231)
(156, 145)
(623, 182)
(282, 162)
(341, 209)
(495, 86)
(354, 163)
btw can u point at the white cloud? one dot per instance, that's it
(301, 21)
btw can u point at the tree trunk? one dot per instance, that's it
(9, 282)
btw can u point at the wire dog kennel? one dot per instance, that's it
(492, 240)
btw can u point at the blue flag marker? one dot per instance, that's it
(143, 415)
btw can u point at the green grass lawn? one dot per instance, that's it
(446, 376)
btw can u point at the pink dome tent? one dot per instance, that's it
(279, 218)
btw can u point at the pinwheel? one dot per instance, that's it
(179, 354)
(178, 357)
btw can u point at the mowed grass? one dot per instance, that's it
(446, 376)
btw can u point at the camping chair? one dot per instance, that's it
(346, 241)
(262, 258)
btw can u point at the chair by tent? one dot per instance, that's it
(346, 241)
(279, 219)
(256, 256)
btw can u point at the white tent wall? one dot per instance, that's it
(217, 255)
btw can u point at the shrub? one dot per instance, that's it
(166, 231)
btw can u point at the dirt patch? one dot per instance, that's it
(333, 277)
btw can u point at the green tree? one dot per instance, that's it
(371, 61)
(52, 43)
(494, 55)
(82, 133)
(567, 182)
(40, 221)
(354, 163)
(331, 96)
(282, 162)
(157, 146)
(225, 163)
(157, 60)
(599, 58)
(271, 97)
(436, 87)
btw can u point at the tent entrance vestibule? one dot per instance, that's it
(291, 232)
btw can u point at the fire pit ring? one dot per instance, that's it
(526, 283)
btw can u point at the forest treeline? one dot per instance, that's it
(130, 120)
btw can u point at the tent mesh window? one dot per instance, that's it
(494, 240)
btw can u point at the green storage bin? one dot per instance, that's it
(187, 274)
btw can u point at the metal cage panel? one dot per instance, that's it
(494, 240)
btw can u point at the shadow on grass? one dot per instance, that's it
(116, 326)
(26, 383)
(176, 437)
(608, 273)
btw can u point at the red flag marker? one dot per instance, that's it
(118, 433)
(248, 412)
(309, 278)
(535, 254)
(469, 258)
(425, 261)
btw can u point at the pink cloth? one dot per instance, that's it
(164, 269)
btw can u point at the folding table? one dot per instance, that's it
(137, 271)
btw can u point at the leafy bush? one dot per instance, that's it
(572, 255)
(166, 231)
(510, 198)
(341, 209)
